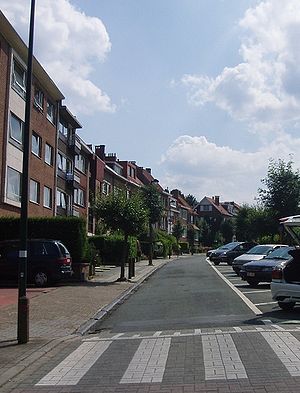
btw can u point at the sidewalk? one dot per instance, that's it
(63, 314)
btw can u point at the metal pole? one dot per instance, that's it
(23, 304)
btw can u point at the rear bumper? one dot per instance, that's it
(284, 292)
(261, 276)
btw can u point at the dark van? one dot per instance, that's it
(48, 261)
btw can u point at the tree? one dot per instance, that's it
(191, 235)
(282, 192)
(120, 213)
(152, 201)
(227, 230)
(191, 200)
(177, 232)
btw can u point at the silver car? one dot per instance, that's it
(254, 254)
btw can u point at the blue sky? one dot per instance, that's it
(204, 92)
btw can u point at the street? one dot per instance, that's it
(184, 330)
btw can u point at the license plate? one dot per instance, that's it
(250, 274)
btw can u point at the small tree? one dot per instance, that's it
(177, 232)
(191, 200)
(191, 235)
(120, 213)
(152, 201)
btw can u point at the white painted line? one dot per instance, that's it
(287, 349)
(221, 358)
(149, 362)
(157, 334)
(264, 304)
(239, 293)
(117, 336)
(237, 329)
(278, 327)
(176, 334)
(254, 291)
(197, 331)
(76, 365)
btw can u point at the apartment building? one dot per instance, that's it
(46, 99)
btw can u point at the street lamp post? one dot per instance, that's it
(23, 303)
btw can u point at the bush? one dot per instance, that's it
(184, 247)
(110, 248)
(70, 230)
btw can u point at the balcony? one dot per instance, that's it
(74, 144)
(72, 179)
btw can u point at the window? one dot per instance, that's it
(38, 99)
(36, 144)
(205, 208)
(19, 79)
(63, 128)
(16, 129)
(63, 163)
(106, 187)
(80, 163)
(34, 191)
(48, 154)
(78, 197)
(50, 112)
(13, 190)
(61, 199)
(47, 197)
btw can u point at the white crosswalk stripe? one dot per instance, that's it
(76, 365)
(149, 362)
(287, 348)
(221, 358)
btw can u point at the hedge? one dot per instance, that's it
(70, 230)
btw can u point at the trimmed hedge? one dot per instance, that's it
(110, 248)
(70, 230)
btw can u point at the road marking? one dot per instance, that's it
(157, 334)
(149, 362)
(239, 293)
(197, 331)
(287, 349)
(237, 329)
(254, 291)
(221, 358)
(117, 336)
(264, 304)
(76, 365)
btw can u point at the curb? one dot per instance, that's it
(101, 313)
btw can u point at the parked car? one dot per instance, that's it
(254, 254)
(47, 261)
(285, 285)
(261, 271)
(229, 251)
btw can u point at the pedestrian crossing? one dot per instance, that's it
(156, 358)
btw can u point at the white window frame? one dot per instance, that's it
(63, 128)
(80, 163)
(36, 142)
(48, 150)
(19, 80)
(38, 99)
(64, 163)
(47, 197)
(61, 199)
(79, 197)
(13, 189)
(34, 191)
(50, 112)
(105, 187)
(16, 136)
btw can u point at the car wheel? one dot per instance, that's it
(286, 306)
(252, 282)
(41, 278)
(216, 262)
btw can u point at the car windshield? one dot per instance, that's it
(229, 246)
(280, 253)
(259, 250)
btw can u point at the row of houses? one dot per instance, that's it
(65, 172)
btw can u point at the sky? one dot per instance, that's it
(204, 92)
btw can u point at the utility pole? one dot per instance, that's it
(23, 302)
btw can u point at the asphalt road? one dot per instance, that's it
(186, 293)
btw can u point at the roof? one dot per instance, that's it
(16, 42)
(218, 207)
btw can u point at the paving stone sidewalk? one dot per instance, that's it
(62, 315)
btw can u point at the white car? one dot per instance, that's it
(285, 285)
(254, 254)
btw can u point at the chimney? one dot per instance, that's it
(217, 200)
(148, 170)
(100, 152)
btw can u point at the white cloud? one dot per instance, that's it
(264, 89)
(199, 167)
(67, 43)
